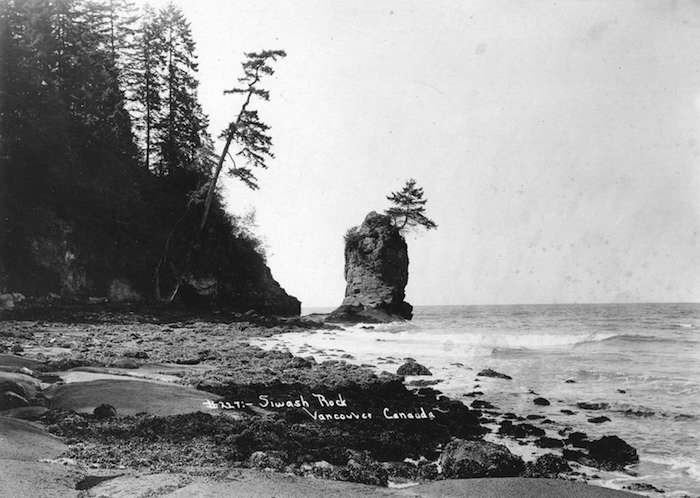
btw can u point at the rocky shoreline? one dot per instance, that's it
(150, 391)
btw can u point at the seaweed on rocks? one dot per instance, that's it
(218, 439)
(281, 438)
(612, 453)
(387, 439)
(547, 465)
(466, 459)
(360, 467)
(643, 487)
(412, 368)
(607, 453)
(578, 440)
(508, 428)
(549, 442)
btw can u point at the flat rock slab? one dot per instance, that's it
(22, 473)
(137, 486)
(21, 479)
(22, 440)
(76, 375)
(155, 372)
(25, 412)
(129, 397)
(29, 384)
(14, 361)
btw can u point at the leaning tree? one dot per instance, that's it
(247, 131)
(247, 146)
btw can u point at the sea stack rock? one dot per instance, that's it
(376, 272)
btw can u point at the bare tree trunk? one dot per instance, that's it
(147, 100)
(164, 258)
(212, 183)
(171, 117)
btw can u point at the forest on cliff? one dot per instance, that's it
(105, 158)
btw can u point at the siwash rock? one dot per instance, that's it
(376, 273)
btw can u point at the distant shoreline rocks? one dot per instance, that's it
(413, 368)
(487, 372)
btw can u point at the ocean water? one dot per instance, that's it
(643, 360)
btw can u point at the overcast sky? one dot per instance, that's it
(558, 142)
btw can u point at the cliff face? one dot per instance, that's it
(376, 272)
(261, 293)
(64, 258)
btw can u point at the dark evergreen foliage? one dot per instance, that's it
(249, 132)
(408, 209)
(181, 127)
(72, 160)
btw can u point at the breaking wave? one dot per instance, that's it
(494, 340)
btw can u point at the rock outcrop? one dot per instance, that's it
(466, 459)
(230, 272)
(492, 373)
(376, 272)
(258, 291)
(612, 453)
(413, 368)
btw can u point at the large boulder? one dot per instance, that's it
(465, 459)
(612, 453)
(376, 273)
(413, 368)
(363, 469)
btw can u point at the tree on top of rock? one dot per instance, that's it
(408, 209)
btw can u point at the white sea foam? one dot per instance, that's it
(677, 464)
(400, 335)
(637, 357)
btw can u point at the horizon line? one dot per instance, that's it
(531, 304)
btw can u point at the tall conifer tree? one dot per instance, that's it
(182, 123)
(147, 84)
